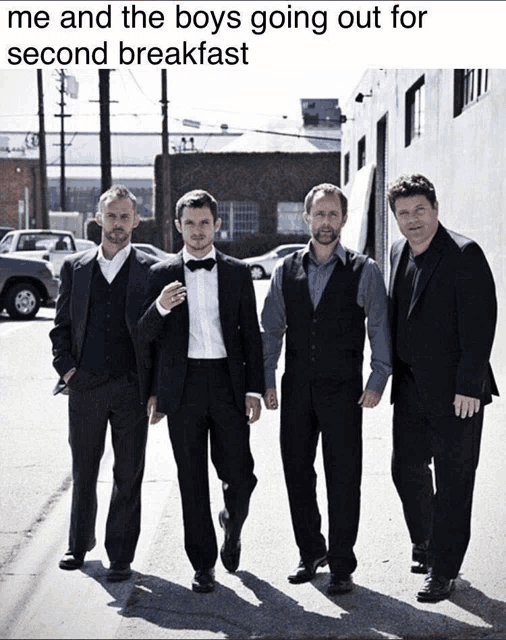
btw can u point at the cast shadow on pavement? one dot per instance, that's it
(272, 613)
(491, 611)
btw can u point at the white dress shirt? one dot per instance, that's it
(206, 335)
(111, 268)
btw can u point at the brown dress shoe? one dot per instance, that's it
(203, 581)
(306, 570)
(118, 572)
(435, 588)
(339, 584)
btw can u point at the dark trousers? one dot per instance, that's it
(440, 515)
(93, 402)
(208, 412)
(330, 408)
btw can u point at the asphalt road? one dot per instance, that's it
(37, 600)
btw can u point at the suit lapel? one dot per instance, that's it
(176, 272)
(396, 259)
(81, 296)
(431, 261)
(135, 289)
(225, 273)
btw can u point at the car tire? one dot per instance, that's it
(257, 272)
(22, 301)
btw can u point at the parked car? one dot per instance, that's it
(152, 250)
(25, 284)
(263, 266)
(4, 230)
(52, 245)
(84, 245)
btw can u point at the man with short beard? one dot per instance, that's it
(105, 372)
(320, 296)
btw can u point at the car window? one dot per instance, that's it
(6, 243)
(44, 241)
(62, 244)
(286, 251)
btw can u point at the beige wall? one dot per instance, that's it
(465, 157)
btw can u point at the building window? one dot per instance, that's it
(346, 168)
(290, 220)
(468, 86)
(361, 153)
(415, 111)
(239, 219)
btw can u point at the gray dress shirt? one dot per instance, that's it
(371, 296)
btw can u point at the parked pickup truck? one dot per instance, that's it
(52, 245)
(25, 284)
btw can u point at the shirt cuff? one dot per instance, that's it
(376, 382)
(270, 378)
(258, 396)
(163, 312)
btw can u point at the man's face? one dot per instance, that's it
(325, 220)
(198, 227)
(118, 222)
(417, 220)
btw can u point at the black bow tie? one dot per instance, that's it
(201, 264)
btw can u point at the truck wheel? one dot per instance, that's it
(22, 301)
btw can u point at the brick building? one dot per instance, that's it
(19, 182)
(260, 195)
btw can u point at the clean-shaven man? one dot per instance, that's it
(443, 312)
(201, 319)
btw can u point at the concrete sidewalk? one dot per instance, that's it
(41, 601)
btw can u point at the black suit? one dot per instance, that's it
(96, 397)
(442, 347)
(207, 396)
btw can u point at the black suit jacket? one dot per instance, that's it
(72, 313)
(451, 322)
(170, 334)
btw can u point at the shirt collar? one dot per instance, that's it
(188, 256)
(121, 255)
(338, 252)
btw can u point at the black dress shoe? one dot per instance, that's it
(339, 584)
(435, 588)
(306, 571)
(230, 552)
(72, 561)
(118, 572)
(203, 581)
(419, 557)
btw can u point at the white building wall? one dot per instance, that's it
(464, 156)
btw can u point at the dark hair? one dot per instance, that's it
(411, 185)
(196, 199)
(116, 192)
(328, 189)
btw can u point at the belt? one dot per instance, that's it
(207, 362)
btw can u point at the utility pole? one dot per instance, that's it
(105, 128)
(62, 115)
(165, 125)
(42, 154)
(162, 178)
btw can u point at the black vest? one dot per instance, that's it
(108, 348)
(327, 341)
